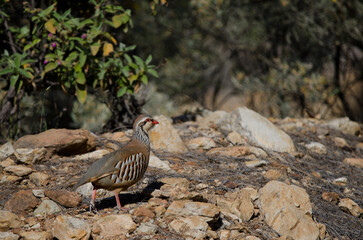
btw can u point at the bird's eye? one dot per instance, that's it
(148, 120)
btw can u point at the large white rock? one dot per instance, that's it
(165, 137)
(287, 209)
(257, 129)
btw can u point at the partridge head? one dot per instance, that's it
(119, 170)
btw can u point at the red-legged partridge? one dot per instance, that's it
(121, 169)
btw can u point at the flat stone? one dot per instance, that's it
(7, 162)
(8, 220)
(201, 142)
(21, 201)
(8, 179)
(31, 155)
(19, 170)
(356, 162)
(63, 141)
(143, 212)
(46, 208)
(35, 235)
(8, 236)
(342, 181)
(237, 205)
(67, 227)
(64, 197)
(146, 229)
(274, 174)
(345, 125)
(176, 182)
(256, 163)
(191, 226)
(287, 210)
(350, 206)
(237, 151)
(359, 148)
(185, 208)
(155, 162)
(117, 136)
(316, 147)
(113, 227)
(85, 190)
(6, 150)
(340, 142)
(330, 197)
(236, 139)
(39, 178)
(252, 238)
(91, 155)
(38, 193)
(164, 137)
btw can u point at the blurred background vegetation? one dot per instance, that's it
(282, 58)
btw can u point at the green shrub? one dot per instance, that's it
(56, 49)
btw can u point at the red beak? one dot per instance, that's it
(155, 122)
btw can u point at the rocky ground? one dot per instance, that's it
(226, 176)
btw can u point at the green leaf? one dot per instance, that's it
(125, 70)
(121, 91)
(46, 12)
(82, 59)
(50, 56)
(49, 67)
(139, 61)
(101, 74)
(29, 61)
(17, 60)
(4, 14)
(152, 72)
(78, 39)
(144, 79)
(81, 93)
(77, 68)
(5, 71)
(94, 48)
(117, 21)
(25, 73)
(148, 60)
(72, 56)
(20, 85)
(134, 66)
(85, 22)
(128, 59)
(125, 18)
(28, 46)
(130, 48)
(80, 78)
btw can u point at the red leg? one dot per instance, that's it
(92, 204)
(94, 197)
(118, 201)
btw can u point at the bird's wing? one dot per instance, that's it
(106, 166)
